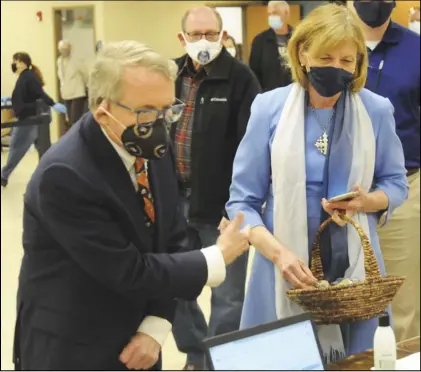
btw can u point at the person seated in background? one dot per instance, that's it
(322, 136)
(218, 91)
(28, 89)
(73, 76)
(268, 49)
(394, 73)
(414, 20)
(230, 45)
(105, 243)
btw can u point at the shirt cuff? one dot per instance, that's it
(216, 265)
(157, 328)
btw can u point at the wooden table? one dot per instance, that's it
(365, 361)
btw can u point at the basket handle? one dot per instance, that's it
(371, 265)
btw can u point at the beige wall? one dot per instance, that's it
(153, 22)
(20, 31)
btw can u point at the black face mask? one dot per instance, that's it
(329, 81)
(147, 141)
(374, 13)
(14, 67)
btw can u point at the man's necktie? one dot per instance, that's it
(144, 190)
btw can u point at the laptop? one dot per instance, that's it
(287, 344)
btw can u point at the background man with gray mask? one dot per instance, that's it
(218, 91)
(268, 48)
(73, 76)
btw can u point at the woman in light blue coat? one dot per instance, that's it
(320, 137)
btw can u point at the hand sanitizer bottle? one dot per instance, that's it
(384, 346)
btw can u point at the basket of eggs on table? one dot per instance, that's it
(347, 300)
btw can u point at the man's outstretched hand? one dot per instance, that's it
(233, 242)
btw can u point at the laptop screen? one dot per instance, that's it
(293, 347)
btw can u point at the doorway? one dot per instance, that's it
(256, 21)
(246, 20)
(233, 21)
(76, 25)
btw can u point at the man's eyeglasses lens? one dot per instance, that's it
(170, 114)
(196, 36)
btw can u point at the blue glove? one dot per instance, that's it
(5, 100)
(60, 108)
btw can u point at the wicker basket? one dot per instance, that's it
(349, 303)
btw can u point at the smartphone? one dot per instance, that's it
(344, 197)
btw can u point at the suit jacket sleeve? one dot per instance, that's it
(165, 308)
(161, 312)
(89, 232)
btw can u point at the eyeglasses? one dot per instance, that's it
(196, 36)
(149, 116)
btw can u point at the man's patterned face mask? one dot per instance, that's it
(149, 141)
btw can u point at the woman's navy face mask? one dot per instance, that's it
(329, 81)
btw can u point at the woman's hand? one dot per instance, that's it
(350, 208)
(294, 270)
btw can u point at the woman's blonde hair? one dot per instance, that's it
(324, 29)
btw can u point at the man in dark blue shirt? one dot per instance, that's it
(394, 72)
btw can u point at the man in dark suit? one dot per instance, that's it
(268, 49)
(103, 232)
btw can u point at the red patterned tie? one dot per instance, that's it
(145, 192)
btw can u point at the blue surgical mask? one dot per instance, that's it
(275, 22)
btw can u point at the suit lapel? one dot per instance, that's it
(117, 177)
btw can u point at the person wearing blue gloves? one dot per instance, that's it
(28, 89)
(6, 101)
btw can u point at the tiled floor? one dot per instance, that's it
(11, 253)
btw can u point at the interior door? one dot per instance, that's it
(58, 35)
(257, 21)
(401, 12)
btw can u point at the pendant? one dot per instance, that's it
(322, 143)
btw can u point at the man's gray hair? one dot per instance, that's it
(105, 79)
(186, 15)
(278, 4)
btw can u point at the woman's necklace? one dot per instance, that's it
(322, 142)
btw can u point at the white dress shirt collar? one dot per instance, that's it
(127, 159)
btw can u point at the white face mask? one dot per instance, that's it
(232, 51)
(414, 26)
(203, 51)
